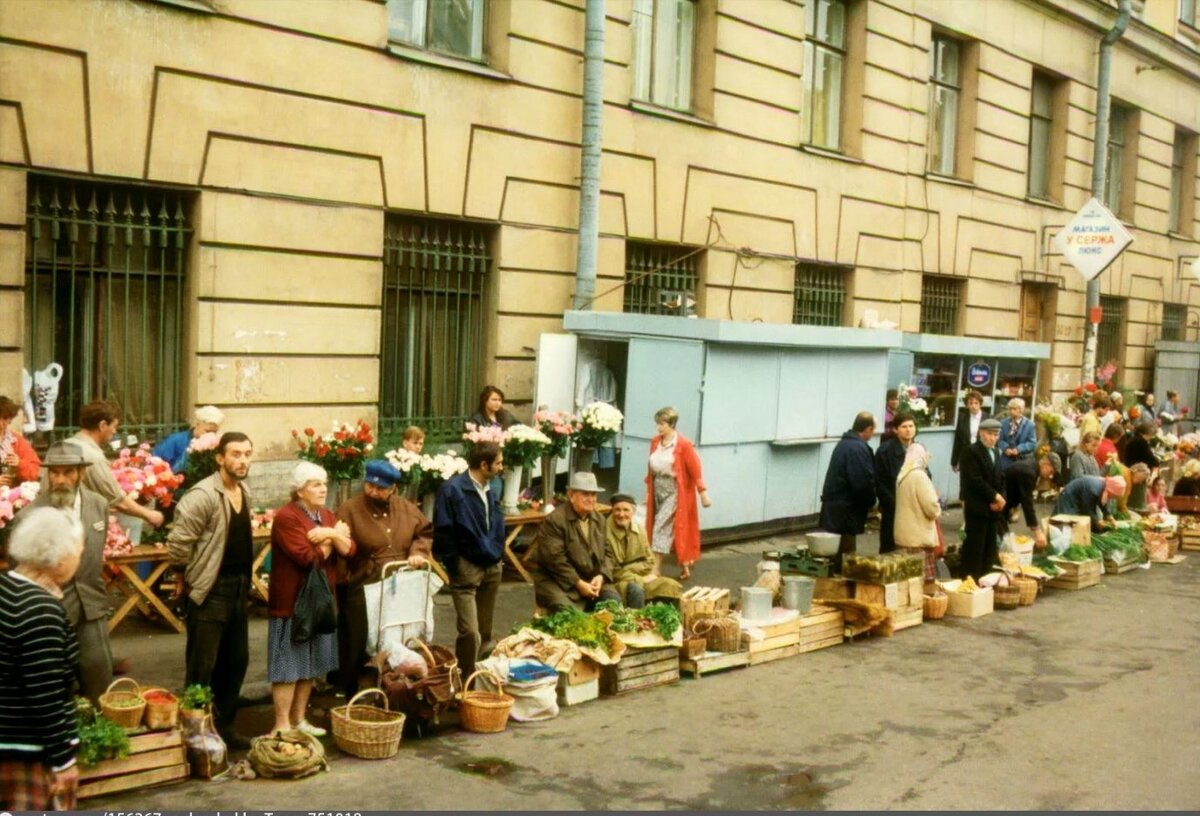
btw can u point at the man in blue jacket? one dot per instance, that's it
(849, 491)
(1018, 437)
(468, 538)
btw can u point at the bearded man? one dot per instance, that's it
(386, 527)
(84, 597)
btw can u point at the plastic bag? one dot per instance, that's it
(206, 751)
(535, 698)
(400, 608)
(314, 613)
(1060, 539)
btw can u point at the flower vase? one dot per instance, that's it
(132, 525)
(581, 461)
(339, 493)
(427, 504)
(512, 489)
(549, 473)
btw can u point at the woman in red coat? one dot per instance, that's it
(18, 461)
(673, 479)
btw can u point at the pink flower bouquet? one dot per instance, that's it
(12, 499)
(145, 477)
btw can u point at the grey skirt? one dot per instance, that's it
(288, 662)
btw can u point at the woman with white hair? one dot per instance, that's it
(304, 535)
(38, 735)
(173, 450)
(1018, 437)
(917, 509)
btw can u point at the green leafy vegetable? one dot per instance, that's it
(577, 626)
(101, 739)
(196, 696)
(666, 618)
(1077, 552)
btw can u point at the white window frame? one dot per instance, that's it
(817, 80)
(1114, 157)
(664, 44)
(409, 24)
(948, 87)
(1039, 143)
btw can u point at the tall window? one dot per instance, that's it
(1174, 319)
(1189, 12)
(940, 298)
(945, 89)
(1041, 119)
(1108, 335)
(824, 65)
(431, 360)
(660, 279)
(1183, 183)
(820, 297)
(104, 281)
(663, 41)
(1114, 157)
(449, 26)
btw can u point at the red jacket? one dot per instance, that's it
(293, 556)
(30, 468)
(689, 480)
(1105, 447)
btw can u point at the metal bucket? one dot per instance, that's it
(798, 593)
(822, 544)
(756, 603)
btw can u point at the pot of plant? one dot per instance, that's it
(194, 704)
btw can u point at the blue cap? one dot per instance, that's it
(381, 473)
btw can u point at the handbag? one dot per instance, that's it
(314, 613)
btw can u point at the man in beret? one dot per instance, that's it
(982, 490)
(570, 553)
(634, 573)
(386, 527)
(1021, 481)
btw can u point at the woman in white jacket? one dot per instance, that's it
(917, 509)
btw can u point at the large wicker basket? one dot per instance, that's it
(1007, 596)
(484, 712)
(722, 633)
(366, 731)
(935, 606)
(161, 714)
(1028, 587)
(125, 708)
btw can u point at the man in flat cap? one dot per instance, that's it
(570, 554)
(386, 527)
(84, 598)
(634, 573)
(982, 490)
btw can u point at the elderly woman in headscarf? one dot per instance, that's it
(304, 535)
(917, 509)
(38, 735)
(1088, 496)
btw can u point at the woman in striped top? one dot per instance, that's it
(38, 664)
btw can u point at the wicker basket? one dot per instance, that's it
(484, 712)
(723, 634)
(935, 606)
(366, 731)
(694, 646)
(114, 705)
(161, 715)
(1007, 596)
(1028, 587)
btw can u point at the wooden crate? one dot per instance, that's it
(776, 653)
(156, 758)
(1189, 538)
(903, 618)
(1113, 568)
(639, 669)
(833, 589)
(774, 636)
(821, 628)
(1077, 574)
(896, 595)
(702, 602)
(710, 662)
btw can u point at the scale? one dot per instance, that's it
(800, 562)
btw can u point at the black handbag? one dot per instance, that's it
(315, 613)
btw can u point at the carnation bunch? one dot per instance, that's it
(440, 468)
(12, 499)
(202, 457)
(342, 452)
(599, 423)
(145, 477)
(524, 446)
(559, 427)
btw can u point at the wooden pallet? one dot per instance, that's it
(710, 662)
(1113, 568)
(775, 636)
(778, 653)
(639, 669)
(821, 628)
(156, 758)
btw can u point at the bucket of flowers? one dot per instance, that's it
(342, 453)
(201, 458)
(525, 446)
(560, 428)
(474, 434)
(435, 470)
(599, 423)
(148, 480)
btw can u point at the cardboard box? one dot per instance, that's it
(569, 695)
(833, 589)
(1081, 528)
(583, 670)
(968, 604)
(885, 595)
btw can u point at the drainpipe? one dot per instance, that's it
(1099, 169)
(589, 167)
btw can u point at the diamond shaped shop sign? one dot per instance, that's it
(1092, 240)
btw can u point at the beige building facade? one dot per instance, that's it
(320, 209)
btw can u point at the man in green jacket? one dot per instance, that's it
(573, 569)
(634, 575)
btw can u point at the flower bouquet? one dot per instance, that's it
(201, 457)
(475, 434)
(261, 519)
(116, 539)
(524, 446)
(342, 452)
(599, 423)
(144, 477)
(911, 402)
(406, 462)
(559, 427)
(12, 499)
(438, 469)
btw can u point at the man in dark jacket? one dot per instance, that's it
(468, 537)
(983, 500)
(1021, 481)
(967, 429)
(571, 553)
(888, 461)
(849, 491)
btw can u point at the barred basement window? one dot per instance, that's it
(939, 305)
(1108, 337)
(660, 279)
(1173, 321)
(432, 348)
(104, 278)
(820, 295)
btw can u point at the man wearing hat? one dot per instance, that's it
(570, 552)
(628, 548)
(982, 491)
(84, 597)
(385, 527)
(1021, 481)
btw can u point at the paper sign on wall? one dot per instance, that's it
(1092, 240)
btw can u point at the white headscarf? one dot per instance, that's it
(915, 457)
(306, 472)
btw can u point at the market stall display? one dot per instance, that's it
(966, 599)
(640, 669)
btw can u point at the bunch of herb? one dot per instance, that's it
(665, 617)
(574, 625)
(101, 739)
(1042, 561)
(196, 697)
(1077, 552)
(623, 618)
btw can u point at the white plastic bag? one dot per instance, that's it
(401, 607)
(1060, 539)
(534, 700)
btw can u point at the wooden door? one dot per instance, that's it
(1039, 303)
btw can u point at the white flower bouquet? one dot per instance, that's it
(524, 446)
(599, 422)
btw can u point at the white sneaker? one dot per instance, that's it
(312, 730)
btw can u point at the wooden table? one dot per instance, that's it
(141, 593)
(261, 539)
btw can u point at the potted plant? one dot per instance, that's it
(195, 703)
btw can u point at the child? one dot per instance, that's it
(1156, 495)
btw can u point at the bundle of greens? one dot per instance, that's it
(574, 625)
(1077, 552)
(662, 618)
(1122, 545)
(1042, 561)
(101, 739)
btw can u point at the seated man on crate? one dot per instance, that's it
(570, 554)
(634, 574)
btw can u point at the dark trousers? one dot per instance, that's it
(473, 589)
(846, 544)
(95, 658)
(218, 644)
(887, 527)
(980, 551)
(352, 638)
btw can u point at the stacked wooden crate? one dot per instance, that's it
(156, 758)
(771, 641)
(1076, 574)
(903, 600)
(640, 669)
(820, 628)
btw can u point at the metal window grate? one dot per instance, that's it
(660, 279)
(1174, 319)
(104, 278)
(939, 305)
(432, 348)
(820, 296)
(1108, 336)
